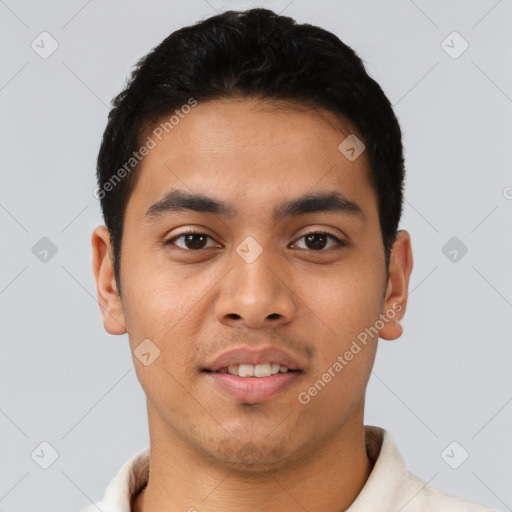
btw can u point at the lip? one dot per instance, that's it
(253, 389)
(246, 355)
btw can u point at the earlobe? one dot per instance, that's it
(106, 287)
(400, 268)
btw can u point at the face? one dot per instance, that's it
(280, 261)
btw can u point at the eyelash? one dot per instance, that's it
(339, 242)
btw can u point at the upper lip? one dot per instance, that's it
(246, 355)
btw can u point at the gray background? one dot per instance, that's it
(65, 381)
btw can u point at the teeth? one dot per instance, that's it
(246, 370)
(252, 370)
(262, 370)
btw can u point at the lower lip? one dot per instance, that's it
(253, 389)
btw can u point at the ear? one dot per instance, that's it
(395, 302)
(106, 286)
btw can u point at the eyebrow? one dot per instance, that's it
(333, 201)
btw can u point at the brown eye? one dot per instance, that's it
(317, 241)
(191, 241)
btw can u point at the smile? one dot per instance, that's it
(255, 370)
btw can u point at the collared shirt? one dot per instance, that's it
(389, 488)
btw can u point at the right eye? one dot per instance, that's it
(191, 241)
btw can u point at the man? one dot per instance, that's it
(251, 178)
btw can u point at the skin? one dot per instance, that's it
(209, 451)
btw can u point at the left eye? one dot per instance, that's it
(319, 240)
(316, 241)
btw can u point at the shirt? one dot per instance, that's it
(389, 488)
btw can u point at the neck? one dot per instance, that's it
(327, 480)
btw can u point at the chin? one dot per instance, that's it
(252, 456)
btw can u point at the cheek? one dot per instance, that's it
(155, 296)
(344, 300)
(165, 305)
(160, 309)
(346, 352)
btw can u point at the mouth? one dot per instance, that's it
(252, 376)
(251, 389)
(258, 371)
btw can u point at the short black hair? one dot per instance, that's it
(249, 54)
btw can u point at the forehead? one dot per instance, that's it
(252, 152)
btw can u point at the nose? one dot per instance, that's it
(256, 295)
